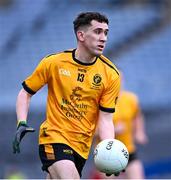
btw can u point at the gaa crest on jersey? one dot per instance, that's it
(97, 79)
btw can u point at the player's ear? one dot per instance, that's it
(80, 35)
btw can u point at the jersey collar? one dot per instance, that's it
(82, 63)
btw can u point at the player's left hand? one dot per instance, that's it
(22, 129)
(115, 174)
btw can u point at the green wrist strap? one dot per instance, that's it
(21, 122)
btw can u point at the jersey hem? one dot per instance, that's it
(52, 142)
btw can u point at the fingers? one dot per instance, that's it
(29, 129)
(117, 174)
(16, 147)
(24, 131)
(18, 137)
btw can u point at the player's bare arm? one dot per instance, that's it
(106, 127)
(22, 104)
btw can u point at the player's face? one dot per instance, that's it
(95, 37)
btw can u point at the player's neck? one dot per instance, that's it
(83, 56)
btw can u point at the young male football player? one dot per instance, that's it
(83, 86)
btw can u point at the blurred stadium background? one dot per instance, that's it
(139, 43)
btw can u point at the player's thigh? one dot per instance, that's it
(63, 169)
(135, 170)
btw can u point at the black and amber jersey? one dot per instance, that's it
(127, 109)
(76, 92)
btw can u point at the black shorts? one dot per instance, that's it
(132, 156)
(57, 152)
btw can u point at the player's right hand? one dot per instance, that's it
(22, 129)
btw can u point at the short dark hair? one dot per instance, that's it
(85, 18)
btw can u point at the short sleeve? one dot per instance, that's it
(110, 95)
(37, 79)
